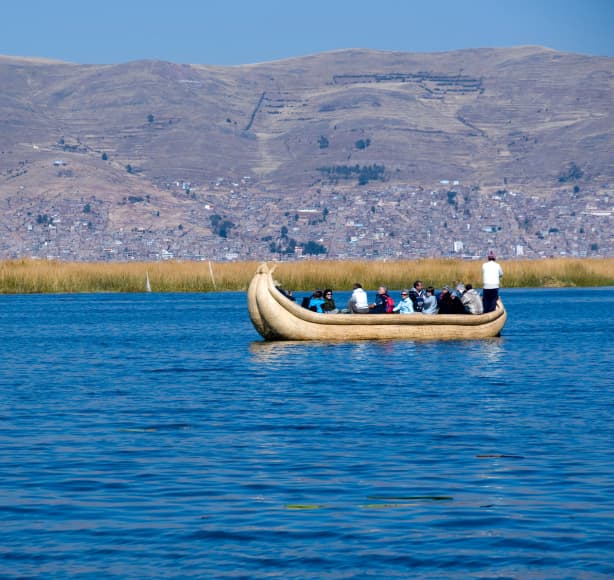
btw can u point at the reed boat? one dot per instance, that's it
(276, 317)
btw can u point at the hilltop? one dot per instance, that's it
(358, 153)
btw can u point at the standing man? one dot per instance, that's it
(491, 274)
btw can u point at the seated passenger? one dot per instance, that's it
(383, 303)
(449, 303)
(416, 294)
(405, 305)
(358, 303)
(329, 306)
(287, 293)
(430, 302)
(472, 300)
(442, 294)
(316, 301)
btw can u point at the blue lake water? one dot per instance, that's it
(157, 436)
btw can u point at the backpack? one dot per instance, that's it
(389, 304)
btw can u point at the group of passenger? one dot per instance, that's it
(463, 299)
(321, 301)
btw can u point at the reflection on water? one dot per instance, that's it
(491, 350)
(146, 436)
(268, 352)
(286, 351)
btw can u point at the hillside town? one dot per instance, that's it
(237, 220)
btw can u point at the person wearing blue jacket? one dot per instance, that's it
(405, 305)
(316, 301)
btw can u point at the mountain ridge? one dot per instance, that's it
(317, 132)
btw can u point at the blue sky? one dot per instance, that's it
(247, 31)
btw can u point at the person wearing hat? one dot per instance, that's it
(449, 302)
(444, 290)
(491, 275)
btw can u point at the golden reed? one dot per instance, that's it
(38, 276)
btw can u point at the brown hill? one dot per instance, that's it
(152, 146)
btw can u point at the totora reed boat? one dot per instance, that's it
(278, 318)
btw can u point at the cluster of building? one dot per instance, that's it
(374, 222)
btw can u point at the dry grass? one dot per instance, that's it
(35, 276)
(437, 272)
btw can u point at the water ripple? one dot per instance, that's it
(135, 445)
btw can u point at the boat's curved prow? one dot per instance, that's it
(252, 301)
(275, 317)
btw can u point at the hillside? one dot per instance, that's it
(359, 153)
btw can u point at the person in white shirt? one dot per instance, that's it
(491, 275)
(358, 303)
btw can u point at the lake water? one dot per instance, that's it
(157, 436)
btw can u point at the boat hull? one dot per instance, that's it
(275, 317)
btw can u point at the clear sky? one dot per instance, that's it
(227, 32)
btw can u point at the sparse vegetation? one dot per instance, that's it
(365, 173)
(571, 173)
(221, 226)
(314, 249)
(284, 244)
(37, 276)
(323, 142)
